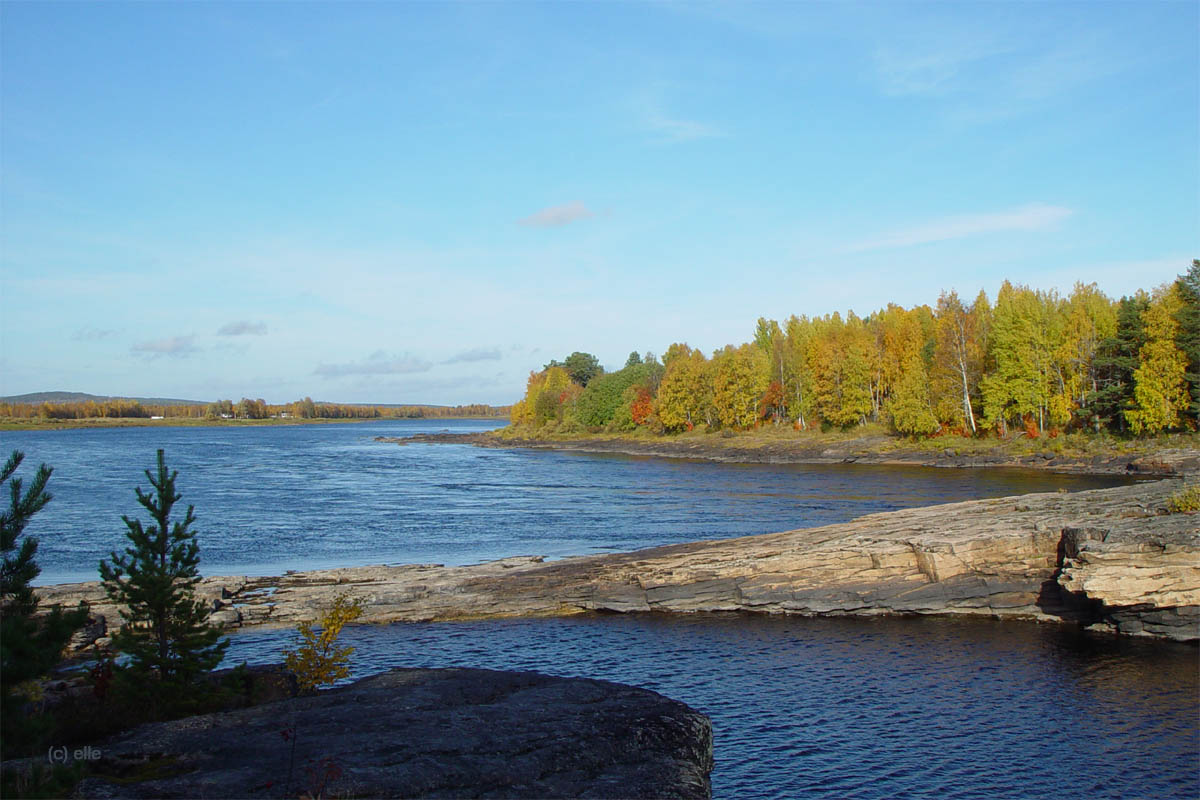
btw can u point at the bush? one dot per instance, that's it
(1185, 501)
(318, 660)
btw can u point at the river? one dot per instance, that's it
(800, 707)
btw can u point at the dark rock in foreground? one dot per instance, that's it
(425, 733)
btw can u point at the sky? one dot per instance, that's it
(401, 202)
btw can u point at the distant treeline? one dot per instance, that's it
(1033, 363)
(243, 409)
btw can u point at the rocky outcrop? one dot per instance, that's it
(1138, 577)
(423, 733)
(1109, 557)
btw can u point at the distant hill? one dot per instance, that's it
(83, 397)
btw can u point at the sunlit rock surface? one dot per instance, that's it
(1112, 558)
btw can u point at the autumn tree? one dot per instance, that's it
(1160, 381)
(958, 358)
(909, 405)
(739, 380)
(582, 368)
(546, 394)
(1090, 317)
(840, 360)
(1024, 336)
(604, 401)
(900, 335)
(770, 339)
(685, 393)
(798, 377)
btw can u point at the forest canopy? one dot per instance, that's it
(1032, 362)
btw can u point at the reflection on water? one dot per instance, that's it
(872, 708)
(270, 499)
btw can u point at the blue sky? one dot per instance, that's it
(420, 202)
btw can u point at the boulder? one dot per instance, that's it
(423, 733)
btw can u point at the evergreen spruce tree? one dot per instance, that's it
(1115, 362)
(166, 632)
(1188, 338)
(29, 646)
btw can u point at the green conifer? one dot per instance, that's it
(29, 646)
(166, 632)
(1188, 317)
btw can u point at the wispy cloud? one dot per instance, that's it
(674, 129)
(557, 216)
(93, 334)
(931, 68)
(172, 346)
(243, 328)
(378, 363)
(475, 354)
(1035, 217)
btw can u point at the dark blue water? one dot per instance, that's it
(871, 708)
(272, 498)
(801, 707)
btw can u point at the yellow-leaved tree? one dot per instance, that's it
(318, 660)
(1159, 383)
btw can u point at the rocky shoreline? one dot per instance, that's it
(863, 450)
(1108, 559)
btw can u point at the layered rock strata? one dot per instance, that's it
(423, 733)
(1112, 558)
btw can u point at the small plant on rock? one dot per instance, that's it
(1185, 501)
(318, 660)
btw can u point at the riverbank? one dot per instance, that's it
(1163, 456)
(21, 424)
(1109, 559)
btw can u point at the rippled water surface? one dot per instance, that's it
(884, 708)
(800, 707)
(272, 498)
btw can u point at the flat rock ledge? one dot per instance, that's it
(1108, 559)
(424, 733)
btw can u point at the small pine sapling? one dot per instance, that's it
(166, 632)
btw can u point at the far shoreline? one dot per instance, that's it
(1154, 458)
(103, 423)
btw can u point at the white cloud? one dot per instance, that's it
(93, 334)
(1034, 217)
(172, 346)
(557, 216)
(475, 354)
(932, 67)
(378, 363)
(243, 328)
(673, 129)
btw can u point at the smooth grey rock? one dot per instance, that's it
(428, 733)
